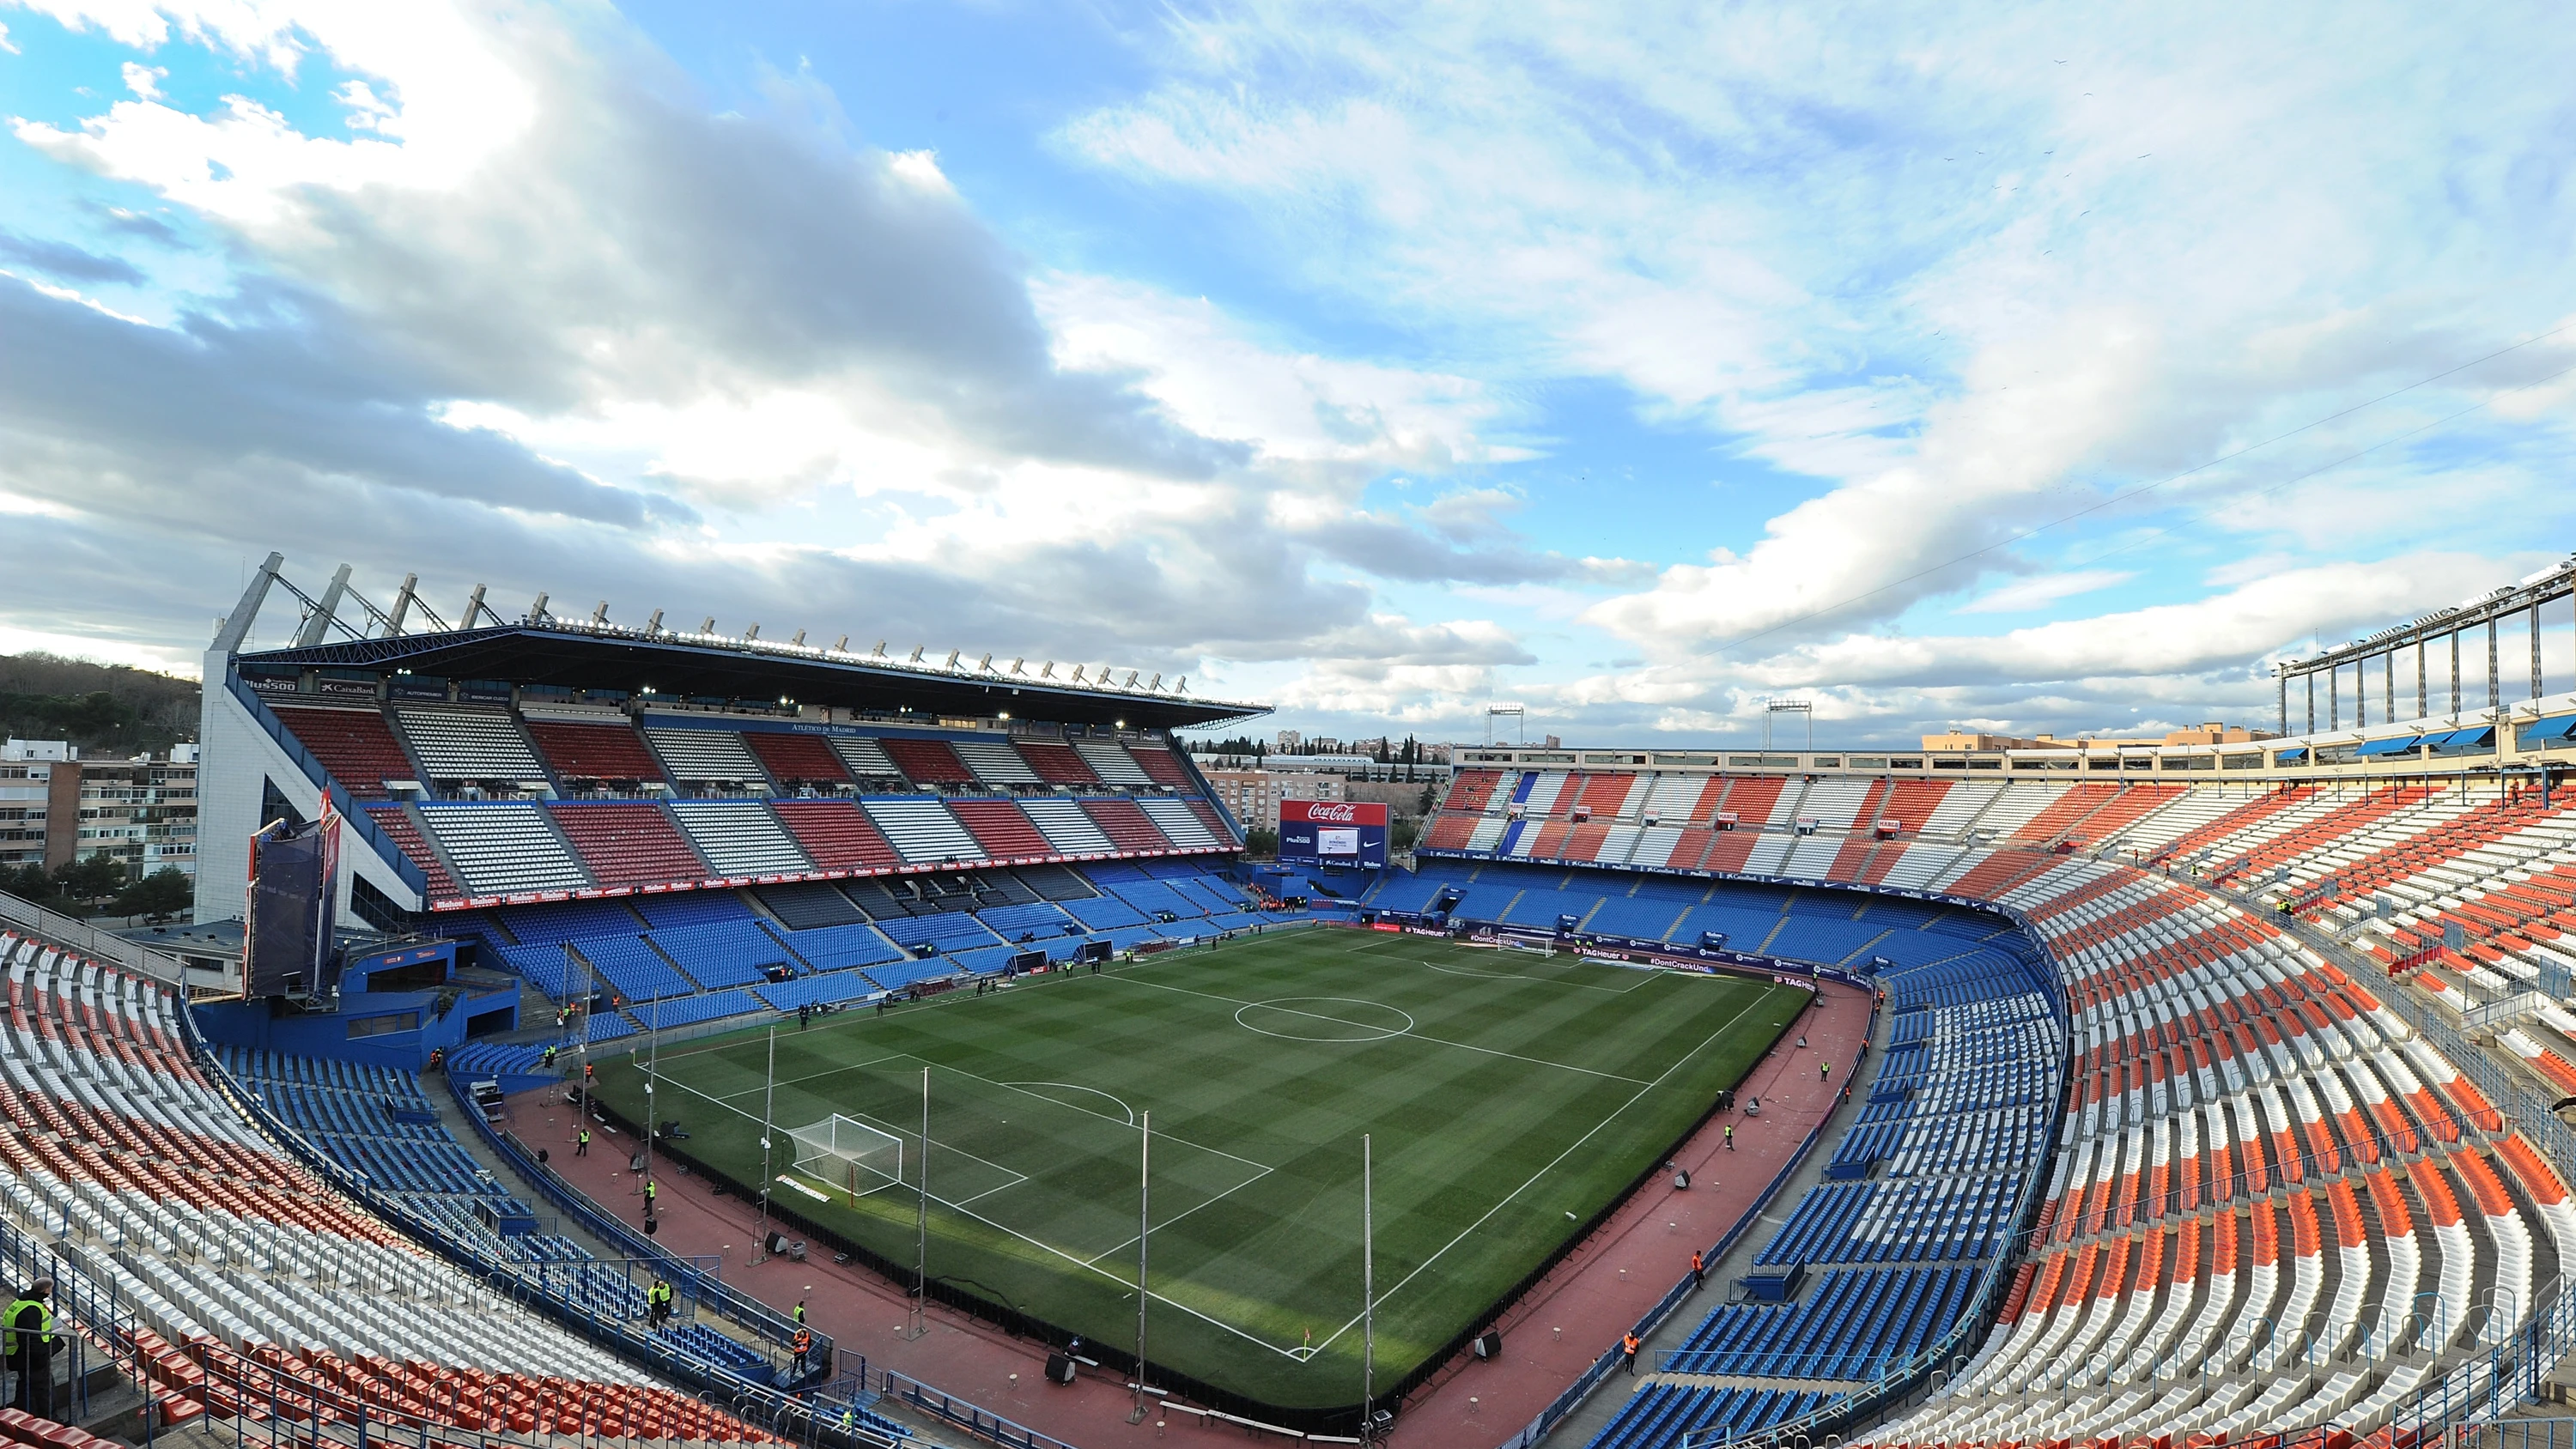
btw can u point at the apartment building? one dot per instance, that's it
(1254, 795)
(56, 808)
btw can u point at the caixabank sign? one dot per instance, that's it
(1332, 832)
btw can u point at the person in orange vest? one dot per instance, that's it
(1628, 1352)
(1699, 1268)
(803, 1343)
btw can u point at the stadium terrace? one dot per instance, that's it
(634, 1026)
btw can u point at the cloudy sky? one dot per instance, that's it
(2051, 369)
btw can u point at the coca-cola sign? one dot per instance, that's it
(1333, 812)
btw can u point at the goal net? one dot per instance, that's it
(848, 1154)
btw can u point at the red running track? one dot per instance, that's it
(1549, 1337)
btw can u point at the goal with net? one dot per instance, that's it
(848, 1154)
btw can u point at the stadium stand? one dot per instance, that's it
(1057, 763)
(628, 843)
(1002, 831)
(741, 838)
(1185, 828)
(797, 760)
(706, 757)
(722, 953)
(838, 947)
(866, 760)
(1125, 824)
(1159, 766)
(461, 744)
(503, 849)
(927, 761)
(836, 835)
(245, 1281)
(604, 751)
(923, 830)
(396, 822)
(995, 763)
(355, 745)
(809, 904)
(1111, 762)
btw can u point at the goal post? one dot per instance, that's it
(848, 1154)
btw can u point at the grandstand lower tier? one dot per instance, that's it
(226, 1279)
(649, 963)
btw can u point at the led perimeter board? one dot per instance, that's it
(1332, 832)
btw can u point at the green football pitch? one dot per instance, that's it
(1509, 1095)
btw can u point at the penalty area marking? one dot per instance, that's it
(1522, 976)
(1125, 1111)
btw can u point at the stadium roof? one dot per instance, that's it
(582, 656)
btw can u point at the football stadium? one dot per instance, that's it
(1187, 723)
(756, 1041)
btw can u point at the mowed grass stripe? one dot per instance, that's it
(1525, 1090)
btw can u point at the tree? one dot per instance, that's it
(1261, 841)
(90, 879)
(165, 892)
(1403, 832)
(27, 882)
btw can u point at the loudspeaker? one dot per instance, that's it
(1059, 1369)
(1488, 1344)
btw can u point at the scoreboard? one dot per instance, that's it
(1332, 832)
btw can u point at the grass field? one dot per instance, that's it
(1509, 1094)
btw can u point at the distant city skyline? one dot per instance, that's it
(2016, 370)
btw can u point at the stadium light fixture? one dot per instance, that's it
(1006, 714)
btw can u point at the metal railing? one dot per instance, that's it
(80, 936)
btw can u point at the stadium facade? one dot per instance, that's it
(387, 724)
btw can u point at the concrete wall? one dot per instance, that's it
(237, 754)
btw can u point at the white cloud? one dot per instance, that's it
(2032, 593)
(141, 654)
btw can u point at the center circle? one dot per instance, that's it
(1324, 1018)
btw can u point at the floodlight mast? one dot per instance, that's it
(1368, 1294)
(1772, 707)
(1144, 1226)
(768, 1092)
(920, 1322)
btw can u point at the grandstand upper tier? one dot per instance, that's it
(553, 758)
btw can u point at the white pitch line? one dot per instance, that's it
(1176, 1217)
(1049, 1248)
(1404, 1035)
(1550, 1167)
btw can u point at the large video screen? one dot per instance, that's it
(1332, 832)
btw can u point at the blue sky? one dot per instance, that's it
(2036, 370)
